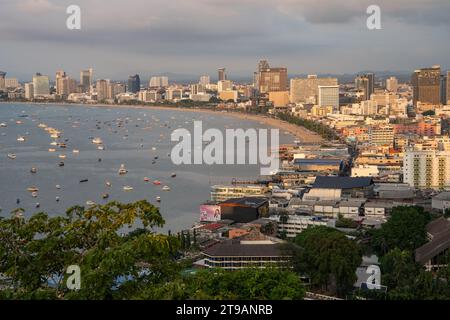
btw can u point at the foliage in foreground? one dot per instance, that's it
(35, 254)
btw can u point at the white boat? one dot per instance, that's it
(62, 156)
(101, 148)
(33, 189)
(166, 188)
(90, 203)
(54, 143)
(3, 125)
(76, 151)
(33, 170)
(34, 194)
(58, 186)
(54, 135)
(11, 156)
(51, 150)
(158, 198)
(127, 188)
(122, 169)
(97, 141)
(21, 139)
(42, 125)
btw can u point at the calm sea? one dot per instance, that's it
(133, 137)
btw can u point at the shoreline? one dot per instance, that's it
(302, 134)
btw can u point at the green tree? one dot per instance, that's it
(328, 257)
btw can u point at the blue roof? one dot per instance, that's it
(332, 182)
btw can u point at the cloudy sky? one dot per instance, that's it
(122, 37)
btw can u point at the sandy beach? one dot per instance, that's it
(302, 134)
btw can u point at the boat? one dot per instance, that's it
(173, 175)
(84, 180)
(57, 199)
(101, 148)
(42, 125)
(54, 143)
(11, 156)
(51, 150)
(90, 203)
(166, 188)
(3, 125)
(38, 204)
(97, 141)
(158, 199)
(62, 156)
(34, 194)
(105, 196)
(76, 151)
(33, 170)
(153, 148)
(146, 179)
(108, 184)
(54, 135)
(21, 139)
(58, 186)
(127, 188)
(62, 145)
(157, 182)
(61, 164)
(122, 169)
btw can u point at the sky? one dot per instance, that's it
(195, 37)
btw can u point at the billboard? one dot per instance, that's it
(209, 213)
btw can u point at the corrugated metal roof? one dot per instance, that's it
(331, 182)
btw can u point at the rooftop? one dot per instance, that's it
(232, 248)
(254, 202)
(332, 182)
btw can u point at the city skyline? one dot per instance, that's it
(159, 39)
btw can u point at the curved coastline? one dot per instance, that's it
(302, 134)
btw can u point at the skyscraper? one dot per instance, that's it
(443, 89)
(272, 79)
(366, 83)
(392, 84)
(329, 96)
(221, 74)
(159, 82)
(426, 84)
(102, 89)
(204, 80)
(134, 83)
(2, 80)
(41, 85)
(86, 79)
(307, 89)
(29, 91)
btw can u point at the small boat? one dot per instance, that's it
(158, 199)
(57, 199)
(58, 186)
(51, 150)
(101, 148)
(90, 203)
(54, 143)
(156, 158)
(97, 141)
(3, 125)
(146, 179)
(122, 169)
(84, 180)
(18, 122)
(33, 170)
(21, 139)
(61, 164)
(62, 156)
(42, 125)
(99, 159)
(166, 188)
(105, 196)
(11, 156)
(127, 188)
(153, 148)
(54, 135)
(34, 194)
(17, 201)
(38, 205)
(108, 184)
(157, 182)
(62, 145)
(33, 189)
(76, 151)
(173, 175)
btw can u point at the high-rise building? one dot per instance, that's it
(11, 83)
(427, 169)
(262, 64)
(86, 79)
(443, 89)
(102, 89)
(329, 96)
(159, 82)
(224, 85)
(174, 94)
(29, 92)
(448, 87)
(307, 89)
(426, 84)
(221, 74)
(272, 79)
(366, 83)
(134, 83)
(392, 84)
(198, 88)
(205, 80)
(64, 84)
(41, 85)
(2, 80)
